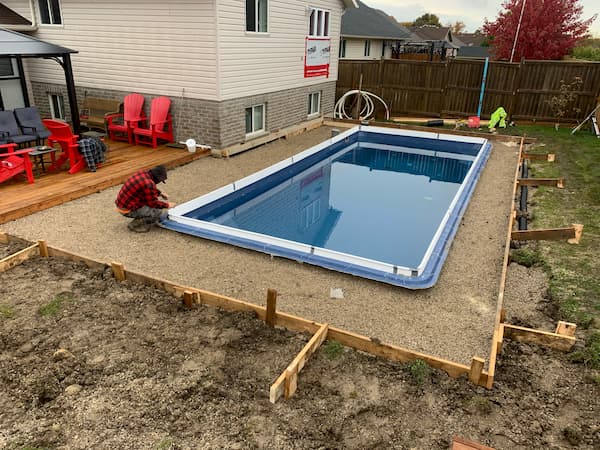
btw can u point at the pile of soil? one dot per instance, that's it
(89, 362)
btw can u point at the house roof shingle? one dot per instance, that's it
(365, 21)
(431, 33)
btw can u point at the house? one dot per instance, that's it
(369, 33)
(440, 37)
(234, 70)
(471, 45)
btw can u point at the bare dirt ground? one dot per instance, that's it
(88, 362)
(137, 370)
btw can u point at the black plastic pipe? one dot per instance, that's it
(523, 199)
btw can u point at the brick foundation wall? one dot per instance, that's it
(218, 124)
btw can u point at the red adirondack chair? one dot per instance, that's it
(160, 124)
(12, 163)
(62, 135)
(120, 126)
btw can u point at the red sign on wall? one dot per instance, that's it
(316, 57)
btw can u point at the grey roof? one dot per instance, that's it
(470, 39)
(474, 52)
(9, 17)
(17, 44)
(432, 33)
(365, 21)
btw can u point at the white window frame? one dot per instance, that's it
(257, 22)
(60, 102)
(319, 22)
(254, 131)
(51, 12)
(314, 99)
(310, 214)
(367, 51)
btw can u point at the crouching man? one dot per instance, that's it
(139, 199)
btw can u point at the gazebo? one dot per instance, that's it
(18, 46)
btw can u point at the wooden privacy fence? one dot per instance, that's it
(452, 88)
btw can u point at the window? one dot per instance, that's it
(319, 22)
(50, 12)
(256, 15)
(314, 103)
(367, 47)
(310, 214)
(6, 67)
(57, 106)
(255, 119)
(342, 48)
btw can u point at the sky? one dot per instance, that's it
(464, 10)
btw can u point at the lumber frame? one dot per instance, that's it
(284, 320)
(572, 234)
(556, 341)
(554, 182)
(287, 383)
(18, 258)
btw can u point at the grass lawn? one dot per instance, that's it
(574, 270)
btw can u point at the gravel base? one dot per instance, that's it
(452, 320)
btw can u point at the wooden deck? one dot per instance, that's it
(19, 199)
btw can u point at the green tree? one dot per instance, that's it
(427, 19)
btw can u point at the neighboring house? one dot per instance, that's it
(369, 33)
(471, 45)
(440, 37)
(235, 70)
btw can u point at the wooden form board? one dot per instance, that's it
(572, 234)
(553, 340)
(283, 320)
(555, 182)
(497, 336)
(17, 258)
(550, 157)
(464, 444)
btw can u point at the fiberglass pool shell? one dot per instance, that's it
(242, 194)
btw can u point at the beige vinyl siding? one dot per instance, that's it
(158, 46)
(355, 48)
(255, 63)
(21, 7)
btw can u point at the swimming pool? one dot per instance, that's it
(375, 202)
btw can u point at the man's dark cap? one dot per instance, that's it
(159, 174)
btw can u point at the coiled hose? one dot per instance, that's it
(366, 111)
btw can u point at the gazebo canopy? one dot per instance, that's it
(19, 46)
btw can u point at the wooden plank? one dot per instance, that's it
(271, 307)
(555, 182)
(60, 253)
(476, 369)
(550, 157)
(545, 234)
(531, 336)
(43, 246)
(4, 238)
(118, 270)
(292, 371)
(18, 258)
(459, 443)
(277, 388)
(565, 328)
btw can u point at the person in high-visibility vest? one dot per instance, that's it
(498, 119)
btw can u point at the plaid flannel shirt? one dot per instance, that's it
(92, 149)
(139, 190)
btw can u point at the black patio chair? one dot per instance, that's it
(10, 131)
(30, 121)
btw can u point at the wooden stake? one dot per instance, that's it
(578, 233)
(188, 298)
(4, 238)
(271, 307)
(476, 369)
(566, 328)
(43, 248)
(118, 270)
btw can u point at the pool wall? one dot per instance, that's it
(421, 277)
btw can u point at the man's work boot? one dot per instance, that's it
(138, 226)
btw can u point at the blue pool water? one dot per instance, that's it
(378, 203)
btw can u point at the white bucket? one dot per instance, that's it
(191, 145)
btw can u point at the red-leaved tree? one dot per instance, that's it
(549, 29)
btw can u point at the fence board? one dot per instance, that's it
(452, 88)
